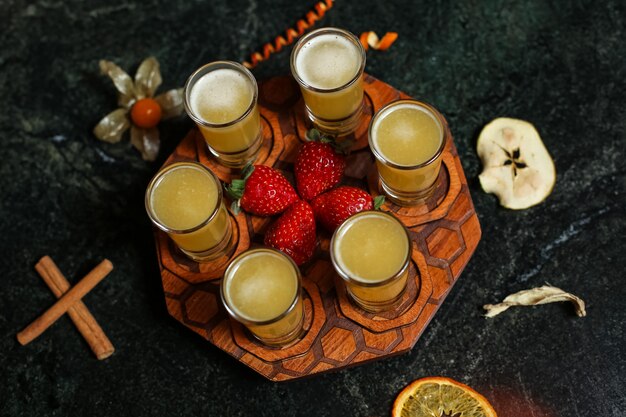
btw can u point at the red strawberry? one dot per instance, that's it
(263, 191)
(293, 233)
(318, 166)
(334, 207)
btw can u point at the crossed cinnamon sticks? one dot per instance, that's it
(69, 301)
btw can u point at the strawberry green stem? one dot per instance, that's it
(378, 202)
(341, 147)
(237, 187)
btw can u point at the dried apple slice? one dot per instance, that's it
(517, 167)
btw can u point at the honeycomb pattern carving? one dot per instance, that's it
(445, 232)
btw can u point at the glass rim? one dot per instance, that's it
(234, 314)
(205, 69)
(160, 175)
(322, 31)
(395, 276)
(437, 116)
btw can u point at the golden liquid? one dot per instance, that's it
(371, 248)
(407, 136)
(261, 286)
(184, 198)
(287, 325)
(326, 62)
(380, 293)
(222, 96)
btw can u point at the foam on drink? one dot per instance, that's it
(328, 61)
(221, 96)
(184, 198)
(371, 247)
(261, 286)
(406, 135)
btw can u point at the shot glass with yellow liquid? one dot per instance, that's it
(407, 138)
(221, 97)
(371, 252)
(328, 65)
(262, 290)
(185, 201)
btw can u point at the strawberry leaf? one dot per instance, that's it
(235, 189)
(247, 171)
(313, 135)
(341, 147)
(235, 207)
(378, 202)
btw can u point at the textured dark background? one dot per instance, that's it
(560, 65)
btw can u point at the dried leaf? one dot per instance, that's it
(148, 78)
(146, 141)
(112, 126)
(122, 82)
(535, 296)
(171, 103)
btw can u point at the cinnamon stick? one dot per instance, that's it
(86, 324)
(66, 301)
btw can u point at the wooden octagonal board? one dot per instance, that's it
(445, 232)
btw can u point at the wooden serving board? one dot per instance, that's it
(445, 232)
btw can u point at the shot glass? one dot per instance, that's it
(328, 65)
(371, 252)
(407, 138)
(262, 290)
(221, 97)
(185, 201)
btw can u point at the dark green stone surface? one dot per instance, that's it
(560, 65)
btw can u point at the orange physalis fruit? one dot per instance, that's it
(146, 113)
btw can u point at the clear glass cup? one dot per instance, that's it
(371, 252)
(328, 65)
(407, 138)
(185, 200)
(262, 290)
(221, 97)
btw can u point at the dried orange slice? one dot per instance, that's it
(440, 397)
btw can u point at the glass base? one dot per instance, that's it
(376, 306)
(239, 159)
(224, 247)
(285, 339)
(404, 198)
(340, 127)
